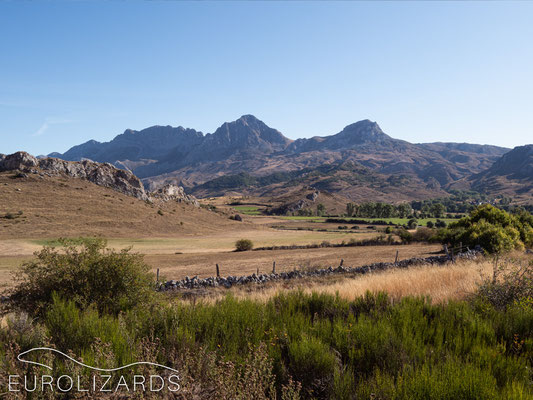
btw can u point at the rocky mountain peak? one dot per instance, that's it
(248, 131)
(363, 131)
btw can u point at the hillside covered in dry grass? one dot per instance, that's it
(43, 207)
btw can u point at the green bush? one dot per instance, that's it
(440, 224)
(244, 245)
(405, 236)
(423, 234)
(495, 230)
(77, 330)
(412, 223)
(86, 272)
(313, 364)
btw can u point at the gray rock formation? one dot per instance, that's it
(174, 193)
(100, 174)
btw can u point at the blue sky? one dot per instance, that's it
(450, 71)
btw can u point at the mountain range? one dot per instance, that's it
(360, 163)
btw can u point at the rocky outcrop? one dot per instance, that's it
(100, 174)
(174, 193)
(294, 206)
(313, 196)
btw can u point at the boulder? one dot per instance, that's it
(18, 161)
(174, 193)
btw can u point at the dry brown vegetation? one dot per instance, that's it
(440, 283)
(453, 281)
(49, 207)
(177, 266)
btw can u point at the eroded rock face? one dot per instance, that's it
(174, 193)
(101, 174)
(20, 160)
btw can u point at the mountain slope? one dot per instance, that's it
(133, 149)
(248, 145)
(511, 175)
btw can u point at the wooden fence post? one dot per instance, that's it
(446, 251)
(274, 267)
(495, 269)
(157, 276)
(218, 272)
(342, 262)
(396, 259)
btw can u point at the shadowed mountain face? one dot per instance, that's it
(378, 162)
(133, 149)
(516, 164)
(510, 175)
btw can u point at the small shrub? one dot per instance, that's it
(160, 212)
(313, 364)
(244, 245)
(440, 224)
(511, 284)
(423, 234)
(24, 330)
(405, 236)
(430, 224)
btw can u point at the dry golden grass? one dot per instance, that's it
(177, 266)
(54, 207)
(160, 254)
(440, 283)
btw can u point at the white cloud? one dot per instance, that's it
(48, 122)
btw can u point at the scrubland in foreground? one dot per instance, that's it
(293, 344)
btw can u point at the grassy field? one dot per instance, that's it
(248, 210)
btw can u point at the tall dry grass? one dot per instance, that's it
(440, 283)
